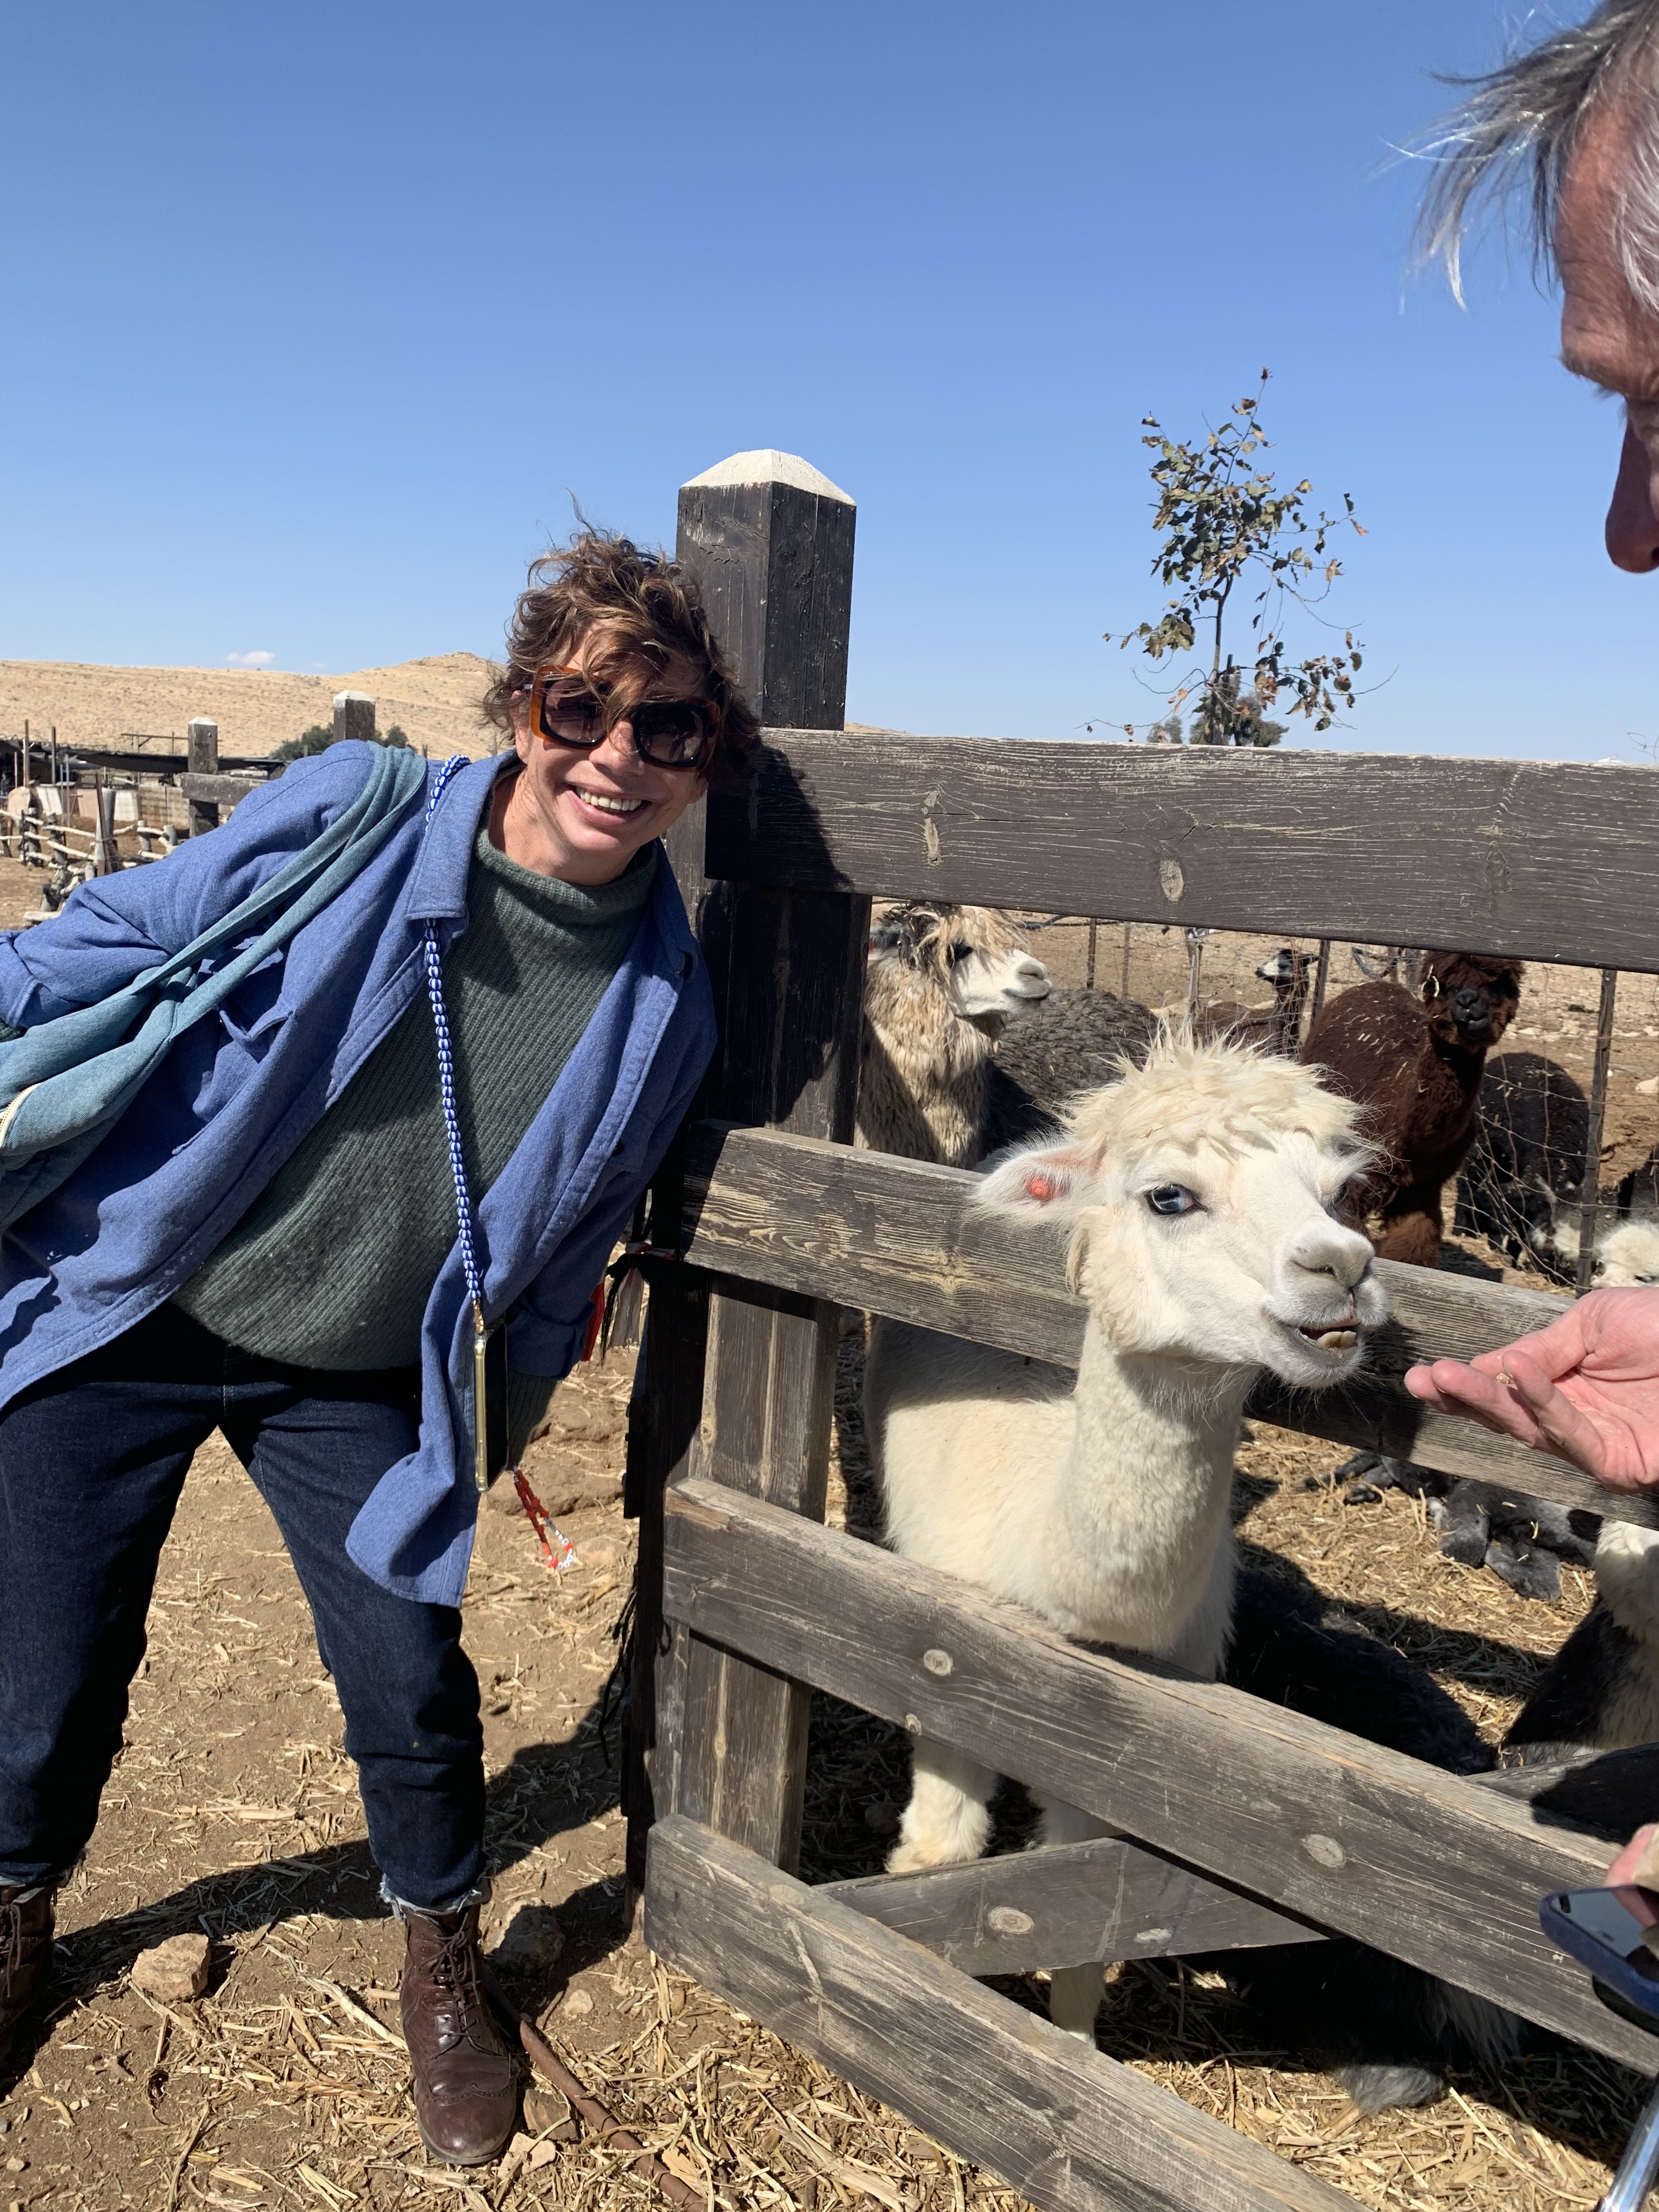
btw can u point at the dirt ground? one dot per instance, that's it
(232, 1810)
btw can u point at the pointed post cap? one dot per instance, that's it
(766, 464)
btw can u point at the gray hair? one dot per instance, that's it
(1522, 124)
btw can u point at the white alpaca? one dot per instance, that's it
(1198, 1194)
(1626, 1256)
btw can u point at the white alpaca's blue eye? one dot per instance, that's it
(1171, 1198)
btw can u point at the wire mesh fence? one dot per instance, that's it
(1595, 1032)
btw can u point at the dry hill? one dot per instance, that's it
(434, 701)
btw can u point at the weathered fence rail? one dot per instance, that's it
(898, 1237)
(1543, 861)
(1233, 1816)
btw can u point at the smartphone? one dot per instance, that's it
(1613, 1932)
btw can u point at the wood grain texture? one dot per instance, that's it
(897, 1236)
(202, 755)
(1333, 1829)
(1069, 2128)
(1544, 862)
(774, 563)
(664, 1409)
(1066, 1905)
(218, 790)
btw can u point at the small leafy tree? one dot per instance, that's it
(1223, 521)
(319, 737)
(309, 742)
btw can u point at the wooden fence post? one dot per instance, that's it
(202, 759)
(771, 542)
(106, 854)
(354, 716)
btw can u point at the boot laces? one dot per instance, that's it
(454, 1971)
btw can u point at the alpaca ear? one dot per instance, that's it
(1051, 1181)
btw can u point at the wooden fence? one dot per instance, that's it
(1239, 1823)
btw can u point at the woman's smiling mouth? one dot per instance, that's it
(604, 802)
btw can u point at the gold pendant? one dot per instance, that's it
(480, 1416)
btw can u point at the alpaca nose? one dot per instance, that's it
(1031, 978)
(1326, 1247)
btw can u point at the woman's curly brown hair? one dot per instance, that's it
(651, 614)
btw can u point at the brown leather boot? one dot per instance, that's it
(466, 2076)
(26, 1925)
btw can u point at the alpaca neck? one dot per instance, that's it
(1139, 1505)
(922, 1080)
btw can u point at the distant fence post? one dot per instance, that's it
(105, 855)
(202, 759)
(354, 716)
(770, 541)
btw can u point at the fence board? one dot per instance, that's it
(897, 1237)
(773, 551)
(1066, 1905)
(1427, 1867)
(1546, 861)
(1069, 2128)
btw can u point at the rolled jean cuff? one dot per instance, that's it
(401, 1908)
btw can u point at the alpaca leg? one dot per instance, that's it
(1074, 1992)
(948, 1819)
(1411, 1226)
(1075, 1996)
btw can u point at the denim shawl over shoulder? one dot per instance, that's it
(236, 1093)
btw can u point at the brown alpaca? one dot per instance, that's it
(1415, 1065)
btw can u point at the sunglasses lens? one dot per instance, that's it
(673, 732)
(571, 716)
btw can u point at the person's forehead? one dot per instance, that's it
(1607, 335)
(600, 652)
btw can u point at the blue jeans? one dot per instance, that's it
(92, 1463)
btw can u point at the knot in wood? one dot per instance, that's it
(913, 1724)
(1324, 1850)
(1009, 1920)
(938, 1662)
(1170, 879)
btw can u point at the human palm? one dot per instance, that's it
(1586, 1388)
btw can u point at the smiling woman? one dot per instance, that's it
(503, 999)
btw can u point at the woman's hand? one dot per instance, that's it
(1586, 1388)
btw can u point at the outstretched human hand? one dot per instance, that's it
(1586, 1388)
(1635, 1865)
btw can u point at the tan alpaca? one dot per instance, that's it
(939, 982)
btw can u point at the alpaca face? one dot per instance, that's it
(987, 981)
(1285, 969)
(1470, 1000)
(1626, 1256)
(1231, 1258)
(1226, 1254)
(979, 960)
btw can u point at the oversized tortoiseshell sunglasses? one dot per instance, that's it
(566, 709)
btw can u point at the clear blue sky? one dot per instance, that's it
(315, 316)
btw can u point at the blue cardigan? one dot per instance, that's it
(236, 1094)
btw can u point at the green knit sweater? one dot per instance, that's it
(334, 1263)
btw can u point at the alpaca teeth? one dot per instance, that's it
(1337, 1339)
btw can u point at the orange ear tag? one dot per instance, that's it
(1043, 1188)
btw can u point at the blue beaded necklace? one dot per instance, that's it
(434, 984)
